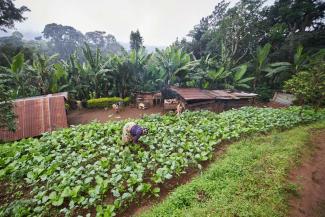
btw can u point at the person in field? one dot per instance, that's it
(116, 108)
(132, 132)
(179, 108)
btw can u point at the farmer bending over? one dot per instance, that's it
(132, 132)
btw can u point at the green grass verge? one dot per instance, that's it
(249, 180)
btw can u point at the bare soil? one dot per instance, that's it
(310, 177)
(84, 116)
(6, 195)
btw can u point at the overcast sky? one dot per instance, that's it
(159, 21)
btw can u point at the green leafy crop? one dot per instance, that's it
(87, 166)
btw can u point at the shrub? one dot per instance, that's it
(67, 106)
(105, 102)
(264, 93)
(72, 104)
(126, 100)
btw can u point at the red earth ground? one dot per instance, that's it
(310, 177)
(84, 116)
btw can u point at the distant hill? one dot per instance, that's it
(150, 48)
(31, 36)
(27, 35)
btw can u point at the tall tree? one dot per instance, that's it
(295, 22)
(136, 40)
(10, 46)
(105, 42)
(298, 15)
(9, 14)
(63, 39)
(202, 35)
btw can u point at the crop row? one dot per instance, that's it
(72, 170)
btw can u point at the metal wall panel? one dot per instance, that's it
(37, 115)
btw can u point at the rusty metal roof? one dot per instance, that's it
(61, 94)
(244, 94)
(148, 95)
(193, 93)
(199, 94)
(37, 115)
(222, 94)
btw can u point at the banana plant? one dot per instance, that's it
(238, 81)
(122, 74)
(300, 59)
(198, 76)
(59, 73)
(281, 71)
(137, 61)
(77, 83)
(262, 65)
(17, 76)
(172, 62)
(95, 67)
(46, 74)
(260, 62)
(216, 78)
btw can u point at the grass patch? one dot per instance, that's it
(249, 180)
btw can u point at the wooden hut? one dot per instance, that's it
(149, 98)
(216, 100)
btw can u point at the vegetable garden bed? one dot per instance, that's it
(73, 170)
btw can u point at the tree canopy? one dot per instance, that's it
(9, 14)
(136, 40)
(246, 46)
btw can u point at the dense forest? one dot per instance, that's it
(248, 46)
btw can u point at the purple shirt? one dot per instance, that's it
(136, 132)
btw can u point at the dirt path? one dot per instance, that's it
(310, 201)
(84, 116)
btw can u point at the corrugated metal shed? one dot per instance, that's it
(193, 93)
(37, 115)
(199, 94)
(222, 94)
(243, 95)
